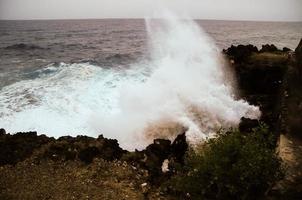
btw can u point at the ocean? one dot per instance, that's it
(119, 77)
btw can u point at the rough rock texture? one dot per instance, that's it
(246, 125)
(155, 154)
(268, 48)
(298, 52)
(260, 77)
(17, 147)
(240, 53)
(38, 167)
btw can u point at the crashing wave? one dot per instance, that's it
(184, 86)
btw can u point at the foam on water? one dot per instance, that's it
(185, 86)
(62, 99)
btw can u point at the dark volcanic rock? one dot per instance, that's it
(60, 150)
(2, 132)
(20, 146)
(293, 100)
(86, 155)
(109, 148)
(260, 76)
(269, 48)
(246, 125)
(17, 147)
(179, 148)
(240, 53)
(83, 147)
(285, 49)
(155, 154)
(298, 52)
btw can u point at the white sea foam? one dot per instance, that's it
(184, 87)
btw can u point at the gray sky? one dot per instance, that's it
(265, 10)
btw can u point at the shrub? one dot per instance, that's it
(231, 166)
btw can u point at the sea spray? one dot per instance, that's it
(188, 90)
(184, 86)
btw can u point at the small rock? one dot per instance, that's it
(2, 131)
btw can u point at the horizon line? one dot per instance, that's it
(140, 18)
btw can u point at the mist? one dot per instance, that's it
(189, 89)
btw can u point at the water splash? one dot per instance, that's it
(185, 86)
(188, 89)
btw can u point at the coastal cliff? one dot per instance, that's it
(35, 166)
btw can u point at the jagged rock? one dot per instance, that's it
(246, 125)
(85, 148)
(285, 49)
(179, 147)
(2, 131)
(60, 150)
(155, 154)
(268, 48)
(298, 52)
(109, 149)
(298, 49)
(240, 53)
(86, 155)
(17, 147)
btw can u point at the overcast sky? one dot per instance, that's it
(265, 10)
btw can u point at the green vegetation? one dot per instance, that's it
(231, 166)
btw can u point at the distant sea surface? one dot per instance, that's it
(28, 45)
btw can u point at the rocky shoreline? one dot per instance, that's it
(35, 166)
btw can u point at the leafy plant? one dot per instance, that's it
(231, 166)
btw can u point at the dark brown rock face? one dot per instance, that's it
(246, 125)
(156, 153)
(20, 146)
(293, 100)
(269, 48)
(83, 148)
(298, 52)
(17, 147)
(260, 76)
(240, 53)
(179, 147)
